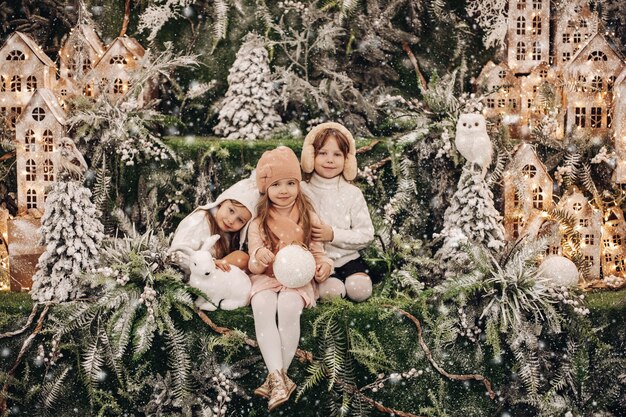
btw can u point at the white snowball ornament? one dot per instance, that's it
(559, 271)
(294, 266)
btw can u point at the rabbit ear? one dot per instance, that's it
(184, 249)
(209, 242)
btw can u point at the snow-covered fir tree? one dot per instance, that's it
(470, 219)
(71, 233)
(247, 111)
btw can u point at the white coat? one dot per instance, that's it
(342, 206)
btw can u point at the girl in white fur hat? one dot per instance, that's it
(228, 216)
(329, 153)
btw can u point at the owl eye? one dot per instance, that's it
(464, 124)
(476, 124)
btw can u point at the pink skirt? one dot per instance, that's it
(264, 282)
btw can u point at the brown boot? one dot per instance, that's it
(278, 390)
(264, 389)
(291, 386)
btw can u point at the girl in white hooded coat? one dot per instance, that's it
(228, 216)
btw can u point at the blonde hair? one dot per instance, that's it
(227, 242)
(263, 209)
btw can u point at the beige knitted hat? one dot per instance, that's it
(307, 158)
(275, 165)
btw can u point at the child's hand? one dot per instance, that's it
(265, 256)
(322, 272)
(222, 264)
(322, 232)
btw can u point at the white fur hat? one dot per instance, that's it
(307, 158)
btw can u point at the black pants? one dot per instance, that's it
(353, 267)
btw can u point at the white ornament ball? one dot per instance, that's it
(294, 266)
(559, 271)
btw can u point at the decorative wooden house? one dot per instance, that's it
(4, 250)
(24, 68)
(528, 34)
(37, 129)
(575, 25)
(81, 49)
(589, 225)
(613, 248)
(536, 90)
(527, 190)
(619, 125)
(503, 88)
(112, 73)
(591, 77)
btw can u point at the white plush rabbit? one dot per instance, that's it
(226, 290)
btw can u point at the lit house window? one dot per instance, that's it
(521, 25)
(16, 55)
(589, 239)
(31, 170)
(38, 114)
(31, 83)
(596, 83)
(491, 103)
(521, 51)
(118, 86)
(16, 84)
(536, 51)
(117, 59)
(537, 25)
(566, 56)
(48, 141)
(577, 37)
(577, 206)
(565, 37)
(521, 4)
(580, 116)
(29, 141)
(583, 222)
(529, 171)
(538, 198)
(31, 199)
(597, 56)
(537, 4)
(596, 117)
(48, 170)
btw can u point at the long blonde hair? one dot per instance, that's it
(228, 242)
(263, 209)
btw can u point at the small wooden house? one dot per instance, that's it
(503, 90)
(575, 25)
(80, 50)
(536, 89)
(613, 247)
(619, 125)
(590, 77)
(527, 190)
(39, 126)
(588, 225)
(112, 73)
(24, 68)
(528, 34)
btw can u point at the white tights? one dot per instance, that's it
(278, 339)
(358, 287)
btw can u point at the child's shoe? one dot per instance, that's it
(279, 393)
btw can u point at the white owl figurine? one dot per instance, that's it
(472, 140)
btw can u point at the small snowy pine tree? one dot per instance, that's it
(71, 233)
(247, 111)
(471, 218)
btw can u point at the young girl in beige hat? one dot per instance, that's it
(285, 216)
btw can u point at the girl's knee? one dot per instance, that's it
(332, 288)
(358, 287)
